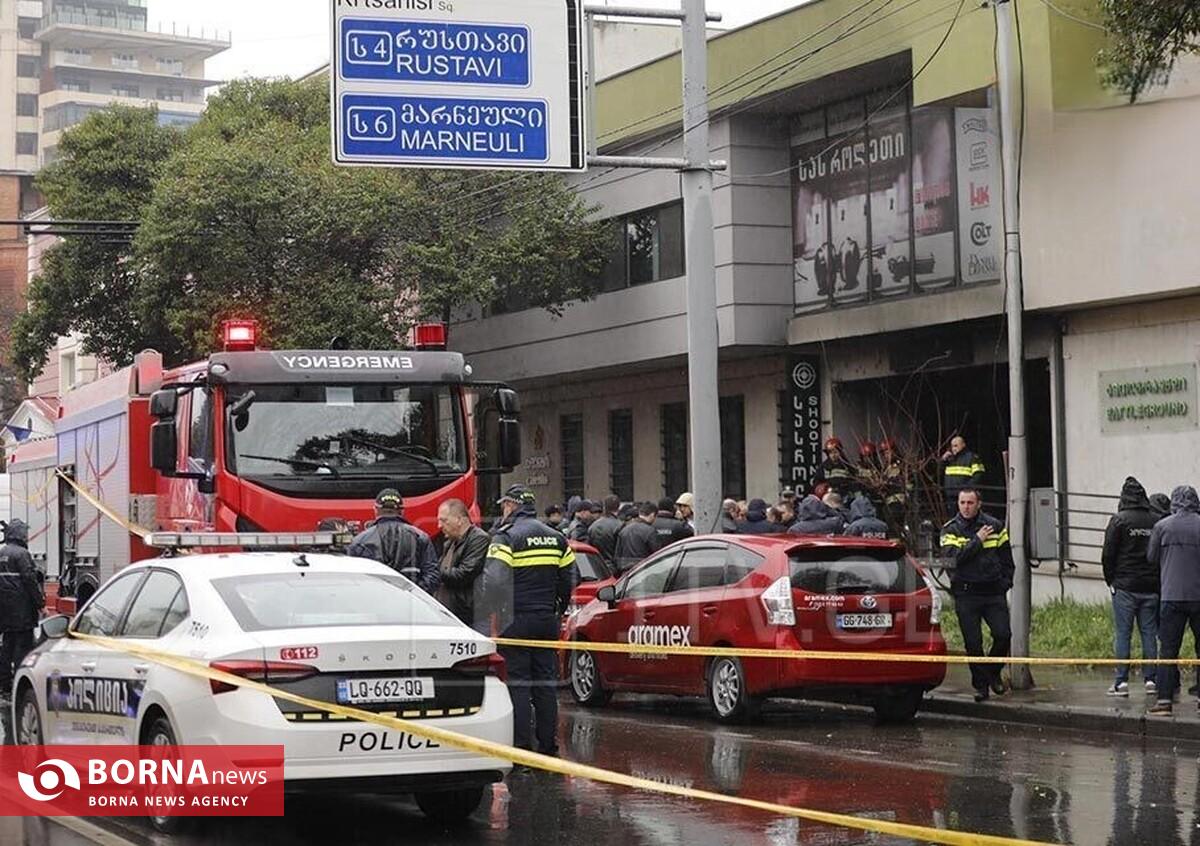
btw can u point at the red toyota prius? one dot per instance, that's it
(767, 592)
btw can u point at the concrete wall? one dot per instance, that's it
(758, 380)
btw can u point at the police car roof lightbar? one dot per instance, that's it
(257, 540)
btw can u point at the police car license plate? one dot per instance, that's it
(382, 690)
(864, 621)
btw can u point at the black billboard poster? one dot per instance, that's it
(815, 269)
(801, 443)
(935, 222)
(891, 206)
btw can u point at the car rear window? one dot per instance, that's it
(321, 600)
(847, 570)
(591, 567)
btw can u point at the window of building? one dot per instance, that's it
(171, 66)
(67, 371)
(646, 246)
(29, 67)
(674, 448)
(124, 61)
(27, 143)
(173, 95)
(570, 431)
(68, 84)
(733, 446)
(125, 90)
(27, 105)
(75, 56)
(26, 27)
(620, 453)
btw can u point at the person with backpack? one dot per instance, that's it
(393, 541)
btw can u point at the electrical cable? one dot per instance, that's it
(1076, 19)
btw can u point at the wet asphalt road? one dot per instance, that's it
(974, 776)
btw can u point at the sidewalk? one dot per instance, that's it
(1071, 700)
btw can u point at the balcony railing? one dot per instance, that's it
(124, 23)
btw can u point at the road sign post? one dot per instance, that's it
(459, 83)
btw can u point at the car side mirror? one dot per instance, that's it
(510, 443)
(508, 402)
(56, 627)
(163, 404)
(164, 447)
(607, 595)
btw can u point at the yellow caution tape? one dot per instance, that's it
(133, 528)
(557, 765)
(826, 655)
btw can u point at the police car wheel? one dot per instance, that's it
(29, 719)
(728, 695)
(450, 807)
(160, 733)
(586, 687)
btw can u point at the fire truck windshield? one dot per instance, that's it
(345, 431)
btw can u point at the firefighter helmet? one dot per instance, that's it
(833, 443)
(866, 450)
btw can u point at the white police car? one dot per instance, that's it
(326, 627)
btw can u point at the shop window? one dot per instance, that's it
(733, 446)
(570, 429)
(674, 431)
(620, 453)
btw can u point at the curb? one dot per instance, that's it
(1075, 718)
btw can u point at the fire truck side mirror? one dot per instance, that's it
(507, 402)
(164, 447)
(510, 443)
(163, 404)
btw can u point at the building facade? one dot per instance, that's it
(858, 240)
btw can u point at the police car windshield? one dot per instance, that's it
(320, 600)
(846, 570)
(346, 430)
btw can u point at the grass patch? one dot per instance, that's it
(1064, 629)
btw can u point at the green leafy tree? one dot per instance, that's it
(248, 216)
(1146, 39)
(106, 171)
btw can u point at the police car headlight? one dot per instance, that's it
(31, 659)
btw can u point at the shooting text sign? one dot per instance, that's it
(459, 84)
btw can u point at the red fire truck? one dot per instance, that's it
(256, 441)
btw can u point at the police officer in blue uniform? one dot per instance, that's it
(527, 580)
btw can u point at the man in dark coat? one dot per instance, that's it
(983, 574)
(393, 541)
(637, 539)
(21, 598)
(756, 522)
(667, 526)
(816, 518)
(602, 534)
(864, 522)
(961, 469)
(1133, 581)
(1175, 548)
(464, 552)
(729, 520)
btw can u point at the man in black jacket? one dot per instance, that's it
(393, 541)
(1133, 581)
(667, 526)
(637, 539)
(961, 469)
(530, 572)
(983, 574)
(21, 598)
(464, 552)
(602, 534)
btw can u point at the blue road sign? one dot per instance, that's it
(434, 128)
(431, 51)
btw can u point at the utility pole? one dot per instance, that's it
(1008, 82)
(697, 181)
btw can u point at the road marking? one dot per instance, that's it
(93, 832)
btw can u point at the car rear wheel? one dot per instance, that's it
(450, 807)
(900, 706)
(586, 686)
(728, 694)
(160, 733)
(29, 719)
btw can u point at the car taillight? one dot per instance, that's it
(935, 612)
(777, 599)
(260, 671)
(484, 665)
